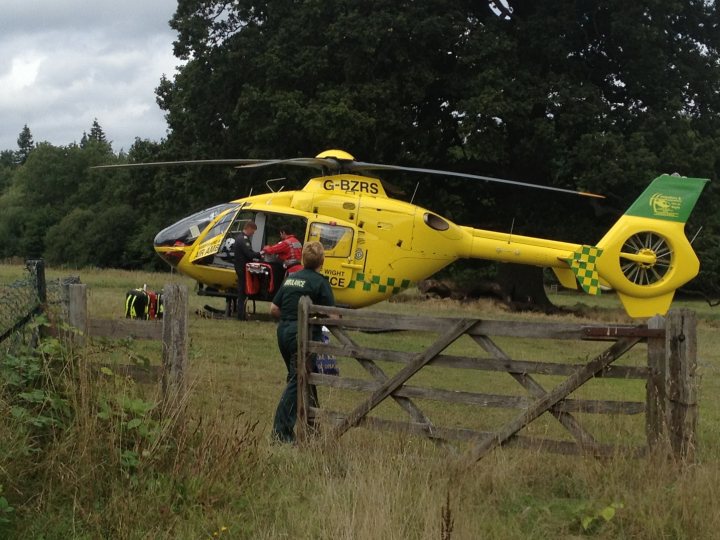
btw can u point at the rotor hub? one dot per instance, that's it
(336, 154)
(650, 258)
(646, 258)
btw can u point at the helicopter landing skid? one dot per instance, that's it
(231, 307)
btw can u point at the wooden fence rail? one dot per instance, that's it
(670, 404)
(172, 330)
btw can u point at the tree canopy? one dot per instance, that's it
(602, 96)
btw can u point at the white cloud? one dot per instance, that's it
(63, 64)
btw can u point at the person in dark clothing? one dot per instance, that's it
(306, 282)
(243, 254)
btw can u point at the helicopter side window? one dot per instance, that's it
(336, 239)
(283, 222)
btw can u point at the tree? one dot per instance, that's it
(7, 158)
(25, 144)
(7, 168)
(581, 97)
(264, 81)
(96, 137)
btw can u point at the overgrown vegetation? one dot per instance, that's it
(90, 454)
(99, 456)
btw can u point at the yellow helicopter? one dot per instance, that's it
(376, 246)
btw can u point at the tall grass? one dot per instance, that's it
(115, 465)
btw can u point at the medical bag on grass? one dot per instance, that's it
(143, 304)
(136, 304)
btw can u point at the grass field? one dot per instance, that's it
(118, 470)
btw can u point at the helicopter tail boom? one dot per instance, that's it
(645, 257)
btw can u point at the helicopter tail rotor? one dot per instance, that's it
(645, 257)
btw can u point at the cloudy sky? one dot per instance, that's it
(64, 63)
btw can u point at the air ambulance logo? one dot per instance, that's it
(665, 205)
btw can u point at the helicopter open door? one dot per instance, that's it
(211, 241)
(216, 246)
(342, 256)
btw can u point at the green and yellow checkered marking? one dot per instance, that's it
(582, 263)
(369, 282)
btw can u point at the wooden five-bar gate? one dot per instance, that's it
(670, 404)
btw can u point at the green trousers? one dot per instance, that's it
(286, 413)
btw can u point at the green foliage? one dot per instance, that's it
(6, 511)
(81, 447)
(57, 207)
(132, 418)
(592, 524)
(25, 145)
(29, 389)
(97, 138)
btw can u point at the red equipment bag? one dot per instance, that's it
(152, 304)
(258, 278)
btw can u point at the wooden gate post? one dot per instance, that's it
(174, 342)
(77, 311)
(655, 426)
(303, 399)
(681, 408)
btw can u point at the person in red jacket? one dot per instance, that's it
(288, 250)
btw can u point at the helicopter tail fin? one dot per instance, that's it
(645, 257)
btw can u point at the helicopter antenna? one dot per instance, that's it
(696, 234)
(414, 192)
(512, 226)
(267, 183)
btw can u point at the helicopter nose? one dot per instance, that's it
(171, 255)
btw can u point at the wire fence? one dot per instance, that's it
(32, 295)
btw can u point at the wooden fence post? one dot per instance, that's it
(37, 268)
(303, 400)
(174, 342)
(77, 311)
(681, 407)
(655, 396)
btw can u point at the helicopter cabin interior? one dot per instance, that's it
(337, 240)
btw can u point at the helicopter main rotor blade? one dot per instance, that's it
(186, 162)
(360, 166)
(317, 163)
(337, 166)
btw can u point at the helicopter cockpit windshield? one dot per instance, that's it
(187, 230)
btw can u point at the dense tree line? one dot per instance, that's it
(602, 96)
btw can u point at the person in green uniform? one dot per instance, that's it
(306, 282)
